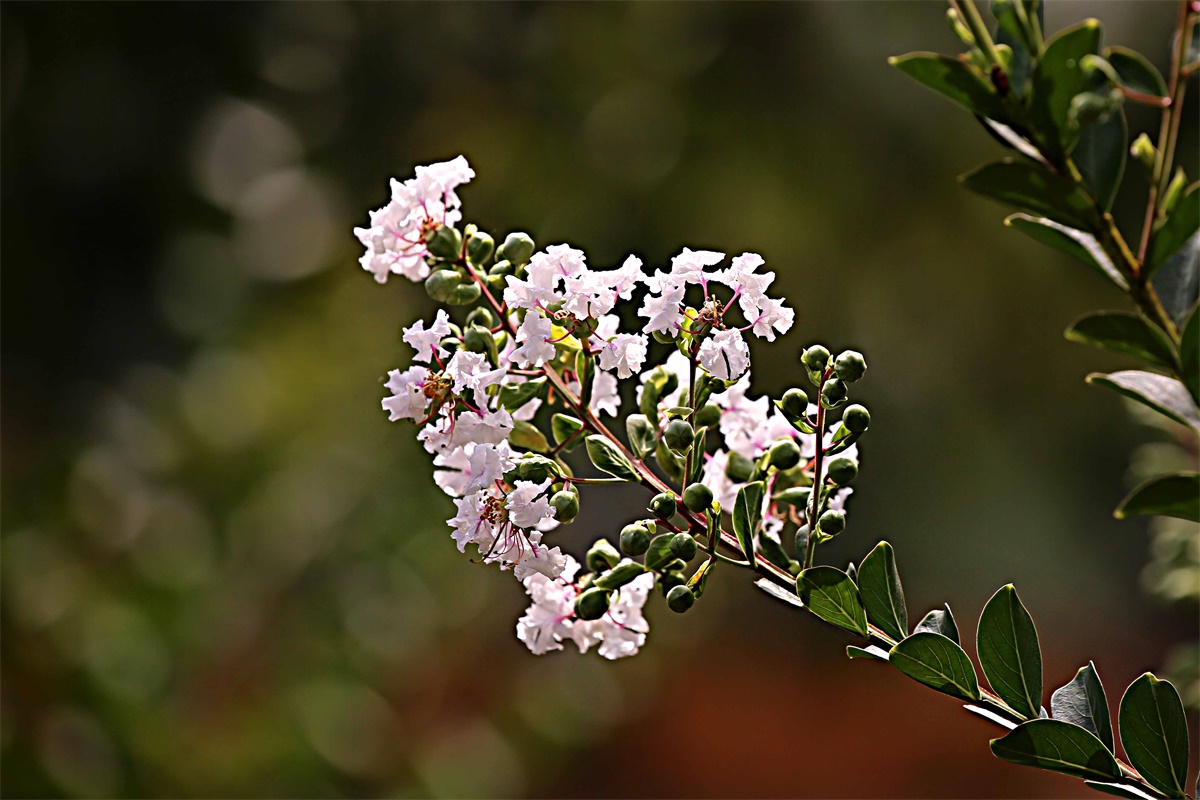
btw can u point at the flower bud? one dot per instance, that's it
(602, 556)
(478, 339)
(850, 366)
(635, 540)
(816, 358)
(446, 242)
(534, 468)
(668, 580)
(480, 247)
(698, 498)
(833, 393)
(591, 604)
(1090, 107)
(502, 268)
(482, 317)
(784, 454)
(832, 522)
(565, 505)
(663, 505)
(842, 470)
(1144, 152)
(796, 496)
(856, 418)
(683, 546)
(620, 575)
(738, 468)
(464, 294)
(708, 416)
(517, 249)
(441, 283)
(662, 337)
(679, 435)
(794, 404)
(680, 599)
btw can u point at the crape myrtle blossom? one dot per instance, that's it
(503, 530)
(725, 354)
(428, 343)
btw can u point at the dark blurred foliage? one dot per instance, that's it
(225, 574)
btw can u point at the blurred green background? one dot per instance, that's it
(226, 574)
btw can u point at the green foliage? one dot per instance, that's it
(882, 594)
(1135, 72)
(1075, 243)
(1100, 155)
(1165, 395)
(1175, 495)
(527, 436)
(1189, 354)
(1154, 733)
(940, 621)
(747, 516)
(564, 427)
(607, 458)
(1034, 189)
(642, 436)
(955, 79)
(1009, 652)
(1057, 79)
(1059, 747)
(1082, 702)
(1176, 230)
(937, 662)
(1126, 333)
(831, 595)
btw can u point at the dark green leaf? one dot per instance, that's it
(1082, 702)
(1057, 78)
(747, 516)
(939, 622)
(1011, 32)
(1177, 281)
(831, 595)
(1009, 653)
(659, 552)
(1175, 232)
(870, 651)
(778, 592)
(1189, 354)
(697, 455)
(1165, 395)
(641, 435)
(1135, 71)
(1034, 188)
(1058, 747)
(1100, 155)
(773, 551)
(1127, 790)
(668, 462)
(1154, 733)
(955, 79)
(607, 458)
(882, 594)
(528, 437)
(1125, 333)
(1076, 243)
(563, 427)
(515, 395)
(1176, 495)
(937, 662)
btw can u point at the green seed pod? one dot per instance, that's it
(464, 294)
(446, 242)
(517, 249)
(565, 505)
(502, 268)
(533, 467)
(602, 556)
(481, 317)
(480, 248)
(784, 454)
(668, 580)
(698, 498)
(679, 435)
(856, 418)
(794, 404)
(620, 575)
(833, 393)
(738, 468)
(591, 604)
(441, 283)
(495, 283)
(663, 505)
(850, 366)
(1144, 152)
(708, 416)
(816, 358)
(683, 546)
(832, 522)
(478, 339)
(680, 599)
(635, 540)
(842, 470)
(1174, 190)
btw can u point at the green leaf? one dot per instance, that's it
(1189, 354)
(1082, 702)
(1177, 281)
(1034, 188)
(1175, 495)
(1125, 333)
(882, 594)
(1100, 155)
(773, 551)
(1058, 747)
(747, 516)
(1007, 643)
(528, 437)
(514, 395)
(619, 575)
(831, 595)
(778, 592)
(1057, 78)
(1154, 733)
(1135, 71)
(659, 552)
(607, 458)
(1175, 232)
(668, 462)
(937, 662)
(938, 621)
(563, 427)
(1076, 243)
(1165, 395)
(642, 438)
(955, 79)
(870, 651)
(1127, 790)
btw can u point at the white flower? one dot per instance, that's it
(471, 524)
(725, 354)
(488, 427)
(768, 316)
(546, 622)
(623, 628)
(623, 279)
(540, 560)
(555, 263)
(408, 400)
(663, 312)
(471, 372)
(742, 278)
(535, 335)
(525, 294)
(527, 506)
(689, 265)
(606, 395)
(624, 352)
(427, 343)
(724, 490)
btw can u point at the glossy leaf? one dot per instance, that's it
(937, 662)
(607, 458)
(778, 592)
(1177, 281)
(1175, 495)
(1009, 652)
(1009, 31)
(939, 621)
(1127, 790)
(831, 595)
(1175, 232)
(1075, 243)
(870, 651)
(514, 395)
(1034, 188)
(1100, 155)
(747, 516)
(1154, 733)
(642, 438)
(563, 428)
(1082, 702)
(882, 594)
(526, 436)
(1189, 354)
(659, 552)
(1058, 747)
(1165, 395)
(1135, 71)
(952, 78)
(1057, 78)
(1126, 333)
(668, 462)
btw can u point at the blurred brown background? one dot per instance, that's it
(226, 574)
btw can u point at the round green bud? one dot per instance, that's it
(816, 358)
(480, 247)
(441, 283)
(1144, 151)
(565, 505)
(708, 416)
(794, 404)
(663, 505)
(635, 540)
(502, 268)
(533, 467)
(668, 580)
(591, 604)
(662, 337)
(832, 522)
(698, 498)
(833, 393)
(738, 468)
(784, 454)
(517, 248)
(856, 418)
(481, 317)
(478, 339)
(446, 242)
(842, 470)
(683, 546)
(464, 294)
(850, 366)
(679, 435)
(495, 283)
(602, 556)
(680, 599)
